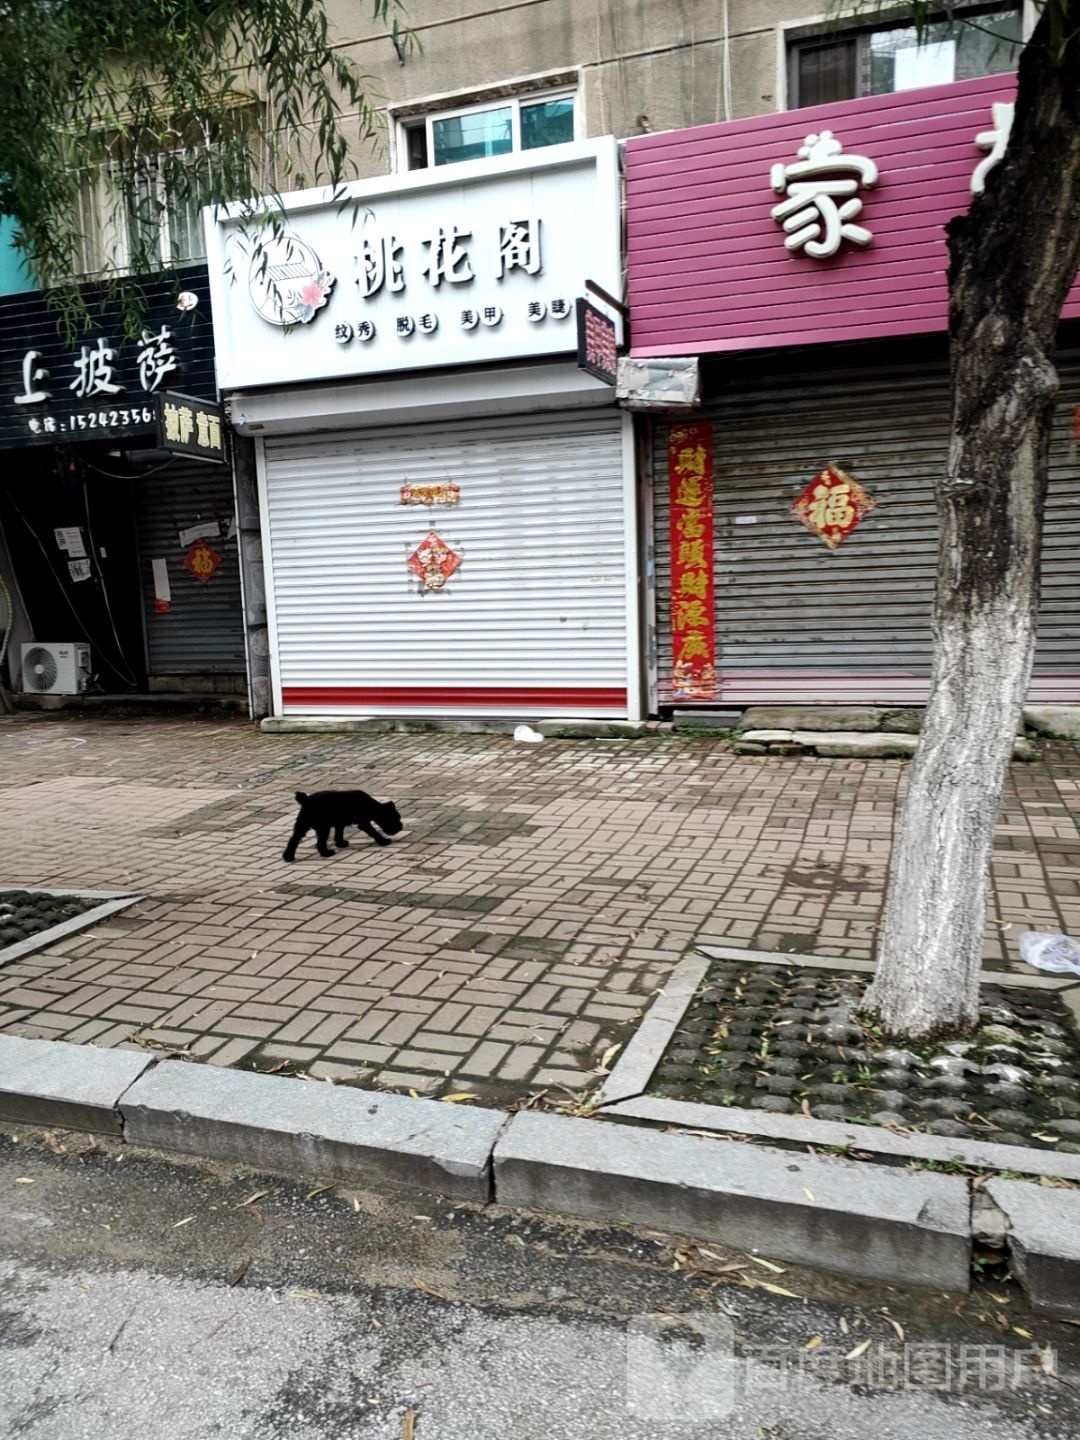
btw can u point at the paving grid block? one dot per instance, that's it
(873, 1222)
(72, 1087)
(299, 1127)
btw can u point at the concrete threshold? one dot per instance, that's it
(893, 1225)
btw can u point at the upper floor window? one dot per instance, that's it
(475, 132)
(843, 64)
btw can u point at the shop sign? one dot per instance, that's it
(476, 263)
(693, 599)
(832, 505)
(190, 427)
(100, 386)
(597, 343)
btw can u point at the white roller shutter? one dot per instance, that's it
(535, 620)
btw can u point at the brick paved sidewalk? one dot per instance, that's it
(536, 901)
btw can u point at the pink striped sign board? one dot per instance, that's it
(709, 270)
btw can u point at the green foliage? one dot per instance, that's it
(163, 105)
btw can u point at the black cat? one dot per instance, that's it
(333, 810)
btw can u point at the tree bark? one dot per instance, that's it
(1013, 259)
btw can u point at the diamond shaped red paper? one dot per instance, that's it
(433, 561)
(832, 505)
(202, 561)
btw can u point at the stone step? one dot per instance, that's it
(859, 744)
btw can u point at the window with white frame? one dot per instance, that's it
(501, 126)
(830, 63)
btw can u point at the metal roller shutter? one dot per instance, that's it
(797, 622)
(534, 621)
(202, 634)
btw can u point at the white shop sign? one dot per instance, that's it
(465, 265)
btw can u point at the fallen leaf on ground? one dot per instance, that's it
(24, 1180)
(609, 1055)
(458, 1095)
(429, 1289)
(808, 1193)
(767, 1264)
(235, 1279)
(320, 1190)
(777, 1289)
(895, 1325)
(306, 1295)
(408, 1429)
(1026, 1334)
(845, 1328)
(186, 1221)
(859, 1349)
(53, 1144)
(813, 1344)
(252, 1198)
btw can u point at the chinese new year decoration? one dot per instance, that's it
(448, 494)
(832, 505)
(202, 561)
(433, 562)
(693, 603)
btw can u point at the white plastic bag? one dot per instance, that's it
(525, 735)
(1050, 952)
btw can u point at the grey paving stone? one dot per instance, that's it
(298, 1127)
(75, 1087)
(866, 1220)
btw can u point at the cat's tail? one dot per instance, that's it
(301, 798)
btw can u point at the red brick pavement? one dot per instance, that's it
(535, 903)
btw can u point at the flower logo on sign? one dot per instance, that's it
(287, 281)
(433, 562)
(832, 505)
(202, 561)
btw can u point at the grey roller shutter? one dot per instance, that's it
(202, 634)
(798, 622)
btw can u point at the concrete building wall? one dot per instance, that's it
(638, 65)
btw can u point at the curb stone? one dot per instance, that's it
(74, 1087)
(277, 1123)
(890, 1225)
(1042, 1233)
(860, 1219)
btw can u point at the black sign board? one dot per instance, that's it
(99, 384)
(597, 342)
(190, 427)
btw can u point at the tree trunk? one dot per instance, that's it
(1013, 259)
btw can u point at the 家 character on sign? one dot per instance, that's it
(811, 215)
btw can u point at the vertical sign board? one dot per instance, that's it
(597, 343)
(693, 594)
(190, 427)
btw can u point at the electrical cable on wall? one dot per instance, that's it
(123, 669)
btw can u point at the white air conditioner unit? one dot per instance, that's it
(58, 668)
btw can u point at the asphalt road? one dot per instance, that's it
(142, 1297)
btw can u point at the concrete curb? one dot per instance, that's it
(871, 1221)
(891, 1225)
(276, 1123)
(645, 1050)
(72, 1087)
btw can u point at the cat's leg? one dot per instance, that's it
(368, 829)
(300, 829)
(322, 840)
(339, 837)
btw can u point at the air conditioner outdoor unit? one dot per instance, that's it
(55, 668)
